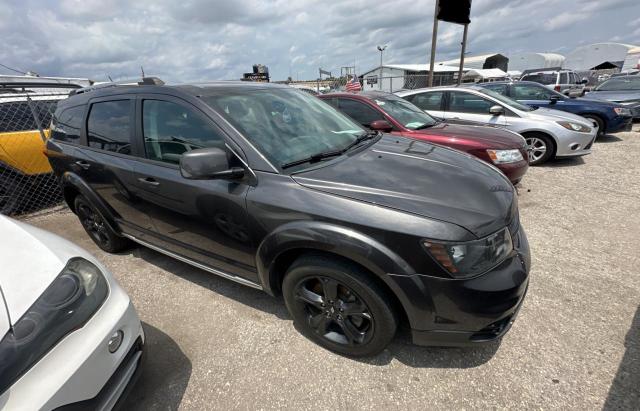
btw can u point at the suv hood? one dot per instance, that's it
(421, 178)
(31, 260)
(493, 137)
(557, 115)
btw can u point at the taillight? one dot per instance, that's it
(557, 87)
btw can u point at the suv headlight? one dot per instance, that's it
(65, 306)
(505, 156)
(622, 111)
(464, 260)
(569, 125)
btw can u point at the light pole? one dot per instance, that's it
(381, 49)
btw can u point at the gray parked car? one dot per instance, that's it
(549, 133)
(623, 90)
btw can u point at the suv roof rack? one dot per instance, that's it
(146, 81)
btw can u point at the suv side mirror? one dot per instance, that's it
(208, 164)
(554, 99)
(496, 110)
(381, 125)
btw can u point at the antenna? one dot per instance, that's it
(109, 77)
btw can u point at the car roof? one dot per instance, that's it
(367, 95)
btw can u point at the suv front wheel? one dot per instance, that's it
(338, 305)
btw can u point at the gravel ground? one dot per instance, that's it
(212, 344)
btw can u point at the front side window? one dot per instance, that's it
(109, 126)
(359, 111)
(405, 113)
(286, 125)
(171, 129)
(507, 101)
(427, 101)
(66, 126)
(531, 92)
(462, 102)
(498, 88)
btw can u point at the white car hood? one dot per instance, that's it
(31, 259)
(4, 318)
(557, 115)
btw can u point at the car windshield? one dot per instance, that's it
(286, 125)
(542, 78)
(404, 112)
(620, 84)
(506, 100)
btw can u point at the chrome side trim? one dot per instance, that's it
(222, 274)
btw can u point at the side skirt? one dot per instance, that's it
(222, 274)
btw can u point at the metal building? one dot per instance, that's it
(530, 60)
(598, 55)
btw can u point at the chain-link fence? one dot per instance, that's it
(26, 181)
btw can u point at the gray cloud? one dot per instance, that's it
(195, 40)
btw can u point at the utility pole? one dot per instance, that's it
(434, 36)
(381, 49)
(464, 47)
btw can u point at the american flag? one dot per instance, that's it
(354, 84)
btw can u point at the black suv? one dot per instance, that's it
(273, 188)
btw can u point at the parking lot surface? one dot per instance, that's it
(213, 344)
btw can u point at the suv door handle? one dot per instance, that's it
(83, 164)
(149, 180)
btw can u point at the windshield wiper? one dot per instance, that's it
(333, 153)
(422, 127)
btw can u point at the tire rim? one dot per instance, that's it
(334, 312)
(93, 224)
(538, 149)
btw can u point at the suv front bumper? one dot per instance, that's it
(449, 312)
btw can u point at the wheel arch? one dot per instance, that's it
(544, 132)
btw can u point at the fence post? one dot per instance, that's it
(36, 117)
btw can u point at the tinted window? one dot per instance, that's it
(427, 101)
(109, 126)
(531, 92)
(542, 78)
(171, 129)
(462, 102)
(563, 78)
(498, 88)
(67, 125)
(358, 111)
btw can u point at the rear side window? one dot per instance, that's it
(498, 88)
(171, 129)
(529, 92)
(109, 126)
(462, 102)
(67, 125)
(564, 78)
(427, 101)
(542, 78)
(358, 111)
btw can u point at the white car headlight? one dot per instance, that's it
(569, 125)
(505, 156)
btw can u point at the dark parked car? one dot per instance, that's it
(359, 231)
(610, 117)
(623, 90)
(389, 113)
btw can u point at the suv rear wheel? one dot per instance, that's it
(338, 306)
(98, 229)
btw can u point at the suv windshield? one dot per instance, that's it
(404, 112)
(619, 84)
(287, 125)
(542, 78)
(505, 100)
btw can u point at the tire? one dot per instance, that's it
(543, 148)
(97, 228)
(337, 305)
(601, 125)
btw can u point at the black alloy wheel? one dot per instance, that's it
(339, 306)
(97, 228)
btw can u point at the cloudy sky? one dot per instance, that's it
(192, 40)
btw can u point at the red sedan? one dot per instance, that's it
(391, 114)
